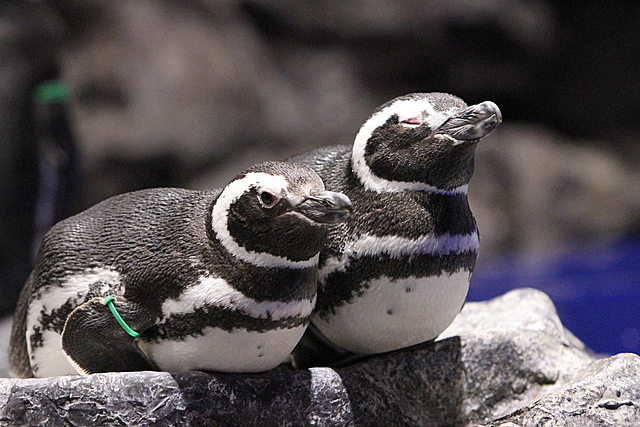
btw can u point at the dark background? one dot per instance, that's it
(174, 93)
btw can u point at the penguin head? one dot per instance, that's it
(422, 141)
(275, 214)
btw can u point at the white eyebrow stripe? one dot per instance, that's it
(219, 222)
(404, 109)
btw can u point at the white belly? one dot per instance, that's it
(222, 351)
(49, 360)
(392, 314)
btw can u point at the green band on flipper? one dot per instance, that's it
(108, 301)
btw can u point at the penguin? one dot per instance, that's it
(175, 279)
(397, 273)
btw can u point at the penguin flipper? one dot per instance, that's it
(95, 342)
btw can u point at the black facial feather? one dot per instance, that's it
(273, 230)
(396, 153)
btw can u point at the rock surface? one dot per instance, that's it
(505, 362)
(606, 394)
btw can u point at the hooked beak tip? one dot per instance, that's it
(326, 207)
(473, 122)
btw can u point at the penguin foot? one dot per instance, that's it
(314, 350)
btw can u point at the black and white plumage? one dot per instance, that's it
(221, 280)
(397, 273)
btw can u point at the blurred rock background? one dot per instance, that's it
(173, 93)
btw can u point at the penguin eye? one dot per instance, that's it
(413, 121)
(268, 199)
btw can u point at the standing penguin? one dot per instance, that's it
(397, 273)
(167, 278)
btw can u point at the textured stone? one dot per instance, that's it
(514, 350)
(507, 362)
(606, 394)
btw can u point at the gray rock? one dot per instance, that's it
(606, 394)
(514, 350)
(507, 361)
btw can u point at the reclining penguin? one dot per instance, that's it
(397, 273)
(172, 279)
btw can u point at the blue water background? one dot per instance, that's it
(595, 287)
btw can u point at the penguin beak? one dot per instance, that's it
(473, 122)
(326, 207)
